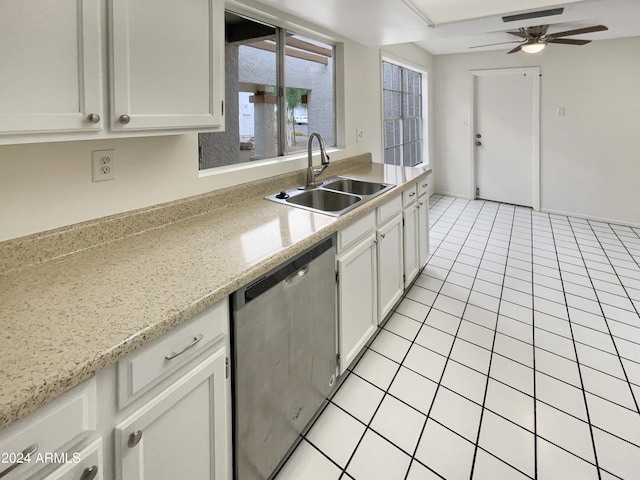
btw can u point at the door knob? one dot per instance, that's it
(478, 143)
(124, 119)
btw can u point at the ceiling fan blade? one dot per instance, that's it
(519, 34)
(492, 44)
(579, 31)
(517, 49)
(568, 41)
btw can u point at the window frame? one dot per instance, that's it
(285, 162)
(425, 112)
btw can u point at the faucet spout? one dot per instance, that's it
(313, 172)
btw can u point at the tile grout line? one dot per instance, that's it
(439, 383)
(606, 322)
(584, 395)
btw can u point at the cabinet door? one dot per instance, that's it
(411, 255)
(167, 64)
(423, 229)
(50, 75)
(181, 433)
(357, 299)
(390, 265)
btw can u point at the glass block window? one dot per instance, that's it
(402, 99)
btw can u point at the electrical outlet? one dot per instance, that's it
(359, 135)
(103, 164)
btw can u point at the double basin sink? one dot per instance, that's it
(335, 196)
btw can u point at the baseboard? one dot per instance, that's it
(589, 217)
(449, 194)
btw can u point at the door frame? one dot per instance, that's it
(535, 71)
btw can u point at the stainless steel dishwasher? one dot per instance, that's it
(284, 340)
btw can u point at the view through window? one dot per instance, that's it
(268, 116)
(402, 100)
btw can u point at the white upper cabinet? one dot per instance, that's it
(165, 68)
(50, 66)
(166, 64)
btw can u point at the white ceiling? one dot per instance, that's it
(385, 22)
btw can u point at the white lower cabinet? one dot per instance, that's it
(390, 265)
(411, 243)
(48, 443)
(88, 466)
(182, 432)
(423, 229)
(357, 299)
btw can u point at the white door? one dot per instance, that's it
(506, 135)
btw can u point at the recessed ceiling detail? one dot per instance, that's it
(445, 11)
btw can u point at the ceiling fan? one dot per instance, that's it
(537, 38)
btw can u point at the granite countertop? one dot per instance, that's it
(64, 319)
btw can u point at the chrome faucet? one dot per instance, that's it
(312, 172)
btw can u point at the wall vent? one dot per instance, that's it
(530, 15)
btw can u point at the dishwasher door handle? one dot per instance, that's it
(300, 273)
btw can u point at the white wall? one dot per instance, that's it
(45, 186)
(590, 159)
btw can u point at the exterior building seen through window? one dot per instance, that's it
(269, 114)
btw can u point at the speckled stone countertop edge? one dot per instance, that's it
(29, 399)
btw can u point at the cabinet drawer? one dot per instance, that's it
(54, 428)
(362, 227)
(89, 459)
(423, 186)
(389, 210)
(409, 195)
(146, 367)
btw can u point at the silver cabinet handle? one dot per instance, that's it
(89, 473)
(25, 453)
(196, 339)
(134, 438)
(382, 235)
(124, 119)
(93, 118)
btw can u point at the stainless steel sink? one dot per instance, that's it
(336, 195)
(359, 187)
(324, 200)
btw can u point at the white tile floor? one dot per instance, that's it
(516, 354)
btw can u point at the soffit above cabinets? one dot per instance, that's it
(452, 26)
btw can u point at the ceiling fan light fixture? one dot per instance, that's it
(534, 47)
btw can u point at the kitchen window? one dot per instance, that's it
(403, 115)
(279, 89)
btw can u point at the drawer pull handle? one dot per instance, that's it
(89, 473)
(412, 194)
(23, 456)
(382, 235)
(425, 184)
(124, 119)
(173, 355)
(134, 438)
